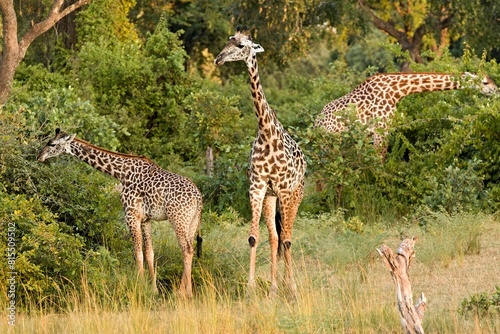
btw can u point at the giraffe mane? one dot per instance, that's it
(118, 154)
(414, 73)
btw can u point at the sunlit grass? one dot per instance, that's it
(343, 287)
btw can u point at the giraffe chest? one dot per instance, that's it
(278, 163)
(270, 154)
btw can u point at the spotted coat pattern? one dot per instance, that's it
(377, 97)
(277, 167)
(148, 193)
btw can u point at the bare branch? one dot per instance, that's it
(55, 15)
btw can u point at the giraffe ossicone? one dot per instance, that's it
(148, 193)
(276, 171)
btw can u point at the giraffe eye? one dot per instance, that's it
(51, 144)
(241, 46)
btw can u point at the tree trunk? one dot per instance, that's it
(411, 315)
(209, 156)
(14, 50)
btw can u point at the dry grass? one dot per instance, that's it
(357, 298)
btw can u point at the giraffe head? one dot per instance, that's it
(56, 146)
(486, 85)
(239, 47)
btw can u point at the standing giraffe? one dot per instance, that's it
(149, 193)
(277, 168)
(378, 96)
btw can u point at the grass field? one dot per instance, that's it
(344, 286)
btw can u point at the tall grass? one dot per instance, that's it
(343, 287)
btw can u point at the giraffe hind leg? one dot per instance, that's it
(184, 232)
(289, 207)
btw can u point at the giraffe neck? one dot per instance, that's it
(404, 84)
(114, 164)
(268, 123)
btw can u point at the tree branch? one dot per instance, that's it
(14, 51)
(55, 14)
(386, 26)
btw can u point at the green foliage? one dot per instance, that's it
(279, 26)
(106, 20)
(211, 113)
(480, 304)
(48, 102)
(228, 186)
(142, 90)
(340, 161)
(203, 23)
(370, 53)
(46, 257)
(459, 188)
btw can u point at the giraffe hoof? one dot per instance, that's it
(252, 241)
(273, 291)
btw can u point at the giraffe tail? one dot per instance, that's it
(277, 221)
(199, 241)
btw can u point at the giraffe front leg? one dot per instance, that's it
(256, 199)
(148, 248)
(270, 218)
(133, 218)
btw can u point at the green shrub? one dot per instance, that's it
(46, 257)
(480, 304)
(458, 190)
(340, 162)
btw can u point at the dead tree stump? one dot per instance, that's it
(399, 263)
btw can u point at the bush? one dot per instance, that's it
(340, 162)
(481, 304)
(46, 257)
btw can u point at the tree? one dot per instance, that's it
(14, 49)
(287, 28)
(414, 23)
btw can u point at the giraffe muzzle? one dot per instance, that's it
(219, 61)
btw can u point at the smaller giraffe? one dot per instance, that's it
(377, 98)
(276, 171)
(149, 193)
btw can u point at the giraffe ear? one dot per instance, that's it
(257, 48)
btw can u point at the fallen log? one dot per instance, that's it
(411, 315)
